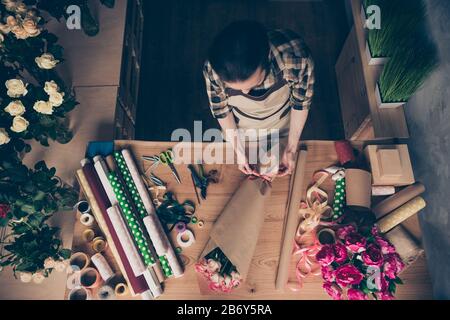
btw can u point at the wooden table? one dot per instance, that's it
(261, 280)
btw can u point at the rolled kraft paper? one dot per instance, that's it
(383, 190)
(154, 228)
(102, 172)
(236, 231)
(102, 266)
(358, 188)
(80, 294)
(100, 203)
(90, 278)
(344, 151)
(106, 293)
(131, 252)
(87, 219)
(401, 214)
(161, 243)
(404, 244)
(399, 199)
(292, 220)
(79, 260)
(121, 290)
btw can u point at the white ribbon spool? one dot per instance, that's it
(185, 244)
(87, 219)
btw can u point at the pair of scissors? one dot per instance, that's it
(166, 158)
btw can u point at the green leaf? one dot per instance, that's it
(65, 253)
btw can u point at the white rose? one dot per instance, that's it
(4, 137)
(21, 8)
(49, 263)
(16, 88)
(47, 61)
(25, 277)
(15, 108)
(43, 107)
(31, 27)
(213, 265)
(56, 99)
(51, 87)
(60, 266)
(38, 277)
(20, 124)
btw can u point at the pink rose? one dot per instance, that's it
(355, 294)
(384, 295)
(325, 256)
(355, 242)
(333, 290)
(374, 230)
(382, 283)
(343, 232)
(328, 274)
(393, 265)
(348, 275)
(201, 267)
(372, 256)
(385, 245)
(340, 252)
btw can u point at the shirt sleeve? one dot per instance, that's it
(303, 86)
(218, 99)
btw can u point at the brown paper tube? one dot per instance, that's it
(407, 248)
(326, 236)
(80, 294)
(90, 278)
(88, 235)
(79, 260)
(358, 189)
(399, 199)
(401, 214)
(292, 219)
(121, 289)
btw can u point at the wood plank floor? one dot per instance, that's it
(176, 37)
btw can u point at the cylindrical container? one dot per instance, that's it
(80, 294)
(87, 219)
(401, 214)
(90, 278)
(88, 235)
(102, 266)
(121, 289)
(79, 261)
(358, 189)
(99, 244)
(326, 236)
(83, 207)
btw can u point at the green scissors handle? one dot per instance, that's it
(166, 157)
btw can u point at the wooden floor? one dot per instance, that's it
(261, 280)
(177, 34)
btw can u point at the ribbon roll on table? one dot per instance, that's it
(79, 261)
(401, 214)
(93, 189)
(180, 227)
(399, 199)
(106, 293)
(181, 239)
(152, 223)
(83, 207)
(87, 219)
(80, 294)
(99, 244)
(88, 235)
(121, 290)
(103, 172)
(102, 266)
(90, 278)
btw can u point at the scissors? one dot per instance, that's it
(166, 158)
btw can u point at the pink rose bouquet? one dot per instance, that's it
(218, 271)
(360, 265)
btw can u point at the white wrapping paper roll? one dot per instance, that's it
(153, 282)
(102, 172)
(154, 228)
(102, 266)
(132, 254)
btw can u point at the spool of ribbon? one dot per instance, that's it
(82, 207)
(186, 239)
(307, 263)
(121, 290)
(79, 261)
(339, 199)
(90, 278)
(180, 227)
(326, 236)
(99, 244)
(102, 266)
(88, 235)
(344, 151)
(87, 219)
(80, 293)
(106, 293)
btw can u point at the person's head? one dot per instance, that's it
(240, 55)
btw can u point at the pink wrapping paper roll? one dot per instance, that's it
(154, 228)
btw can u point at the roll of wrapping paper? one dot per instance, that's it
(292, 220)
(358, 188)
(339, 199)
(161, 243)
(401, 214)
(102, 173)
(126, 208)
(398, 199)
(102, 266)
(344, 151)
(99, 202)
(404, 244)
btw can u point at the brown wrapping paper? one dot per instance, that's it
(399, 199)
(292, 220)
(358, 188)
(401, 214)
(405, 245)
(236, 231)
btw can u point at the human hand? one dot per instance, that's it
(287, 163)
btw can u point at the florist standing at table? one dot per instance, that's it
(259, 79)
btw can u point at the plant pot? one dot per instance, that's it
(374, 61)
(386, 105)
